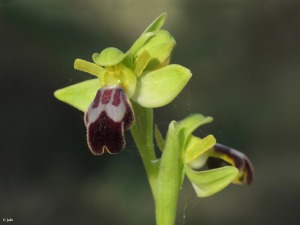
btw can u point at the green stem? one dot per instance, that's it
(164, 175)
(142, 133)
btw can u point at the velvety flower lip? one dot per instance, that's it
(223, 156)
(107, 117)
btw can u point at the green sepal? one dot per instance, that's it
(160, 55)
(148, 33)
(109, 57)
(157, 23)
(140, 42)
(207, 183)
(79, 95)
(158, 88)
(192, 122)
(160, 141)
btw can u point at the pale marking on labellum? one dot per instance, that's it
(116, 113)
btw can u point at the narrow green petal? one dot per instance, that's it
(158, 88)
(207, 183)
(141, 63)
(79, 95)
(157, 23)
(160, 141)
(197, 146)
(109, 57)
(88, 67)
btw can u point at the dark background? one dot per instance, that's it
(244, 56)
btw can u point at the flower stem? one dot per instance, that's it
(164, 175)
(142, 133)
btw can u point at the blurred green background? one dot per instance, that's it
(245, 59)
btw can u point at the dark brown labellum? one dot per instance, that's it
(240, 161)
(106, 119)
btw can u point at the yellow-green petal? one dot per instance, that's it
(207, 183)
(197, 146)
(158, 88)
(79, 95)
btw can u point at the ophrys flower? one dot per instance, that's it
(142, 74)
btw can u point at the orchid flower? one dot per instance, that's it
(141, 74)
(184, 154)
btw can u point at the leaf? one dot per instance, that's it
(168, 185)
(79, 95)
(207, 183)
(157, 23)
(158, 88)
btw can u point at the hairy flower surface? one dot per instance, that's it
(106, 119)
